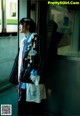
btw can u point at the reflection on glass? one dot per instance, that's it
(65, 22)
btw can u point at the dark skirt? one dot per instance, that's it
(30, 108)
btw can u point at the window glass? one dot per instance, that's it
(11, 15)
(65, 21)
(0, 17)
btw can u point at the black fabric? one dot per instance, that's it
(13, 78)
(37, 63)
(30, 108)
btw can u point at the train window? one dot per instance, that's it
(11, 15)
(0, 17)
(65, 22)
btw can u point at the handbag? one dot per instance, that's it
(35, 93)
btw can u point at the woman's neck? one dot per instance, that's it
(26, 33)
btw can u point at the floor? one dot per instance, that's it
(9, 96)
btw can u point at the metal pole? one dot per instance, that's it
(18, 26)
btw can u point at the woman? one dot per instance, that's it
(31, 88)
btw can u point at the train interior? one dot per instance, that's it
(64, 80)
